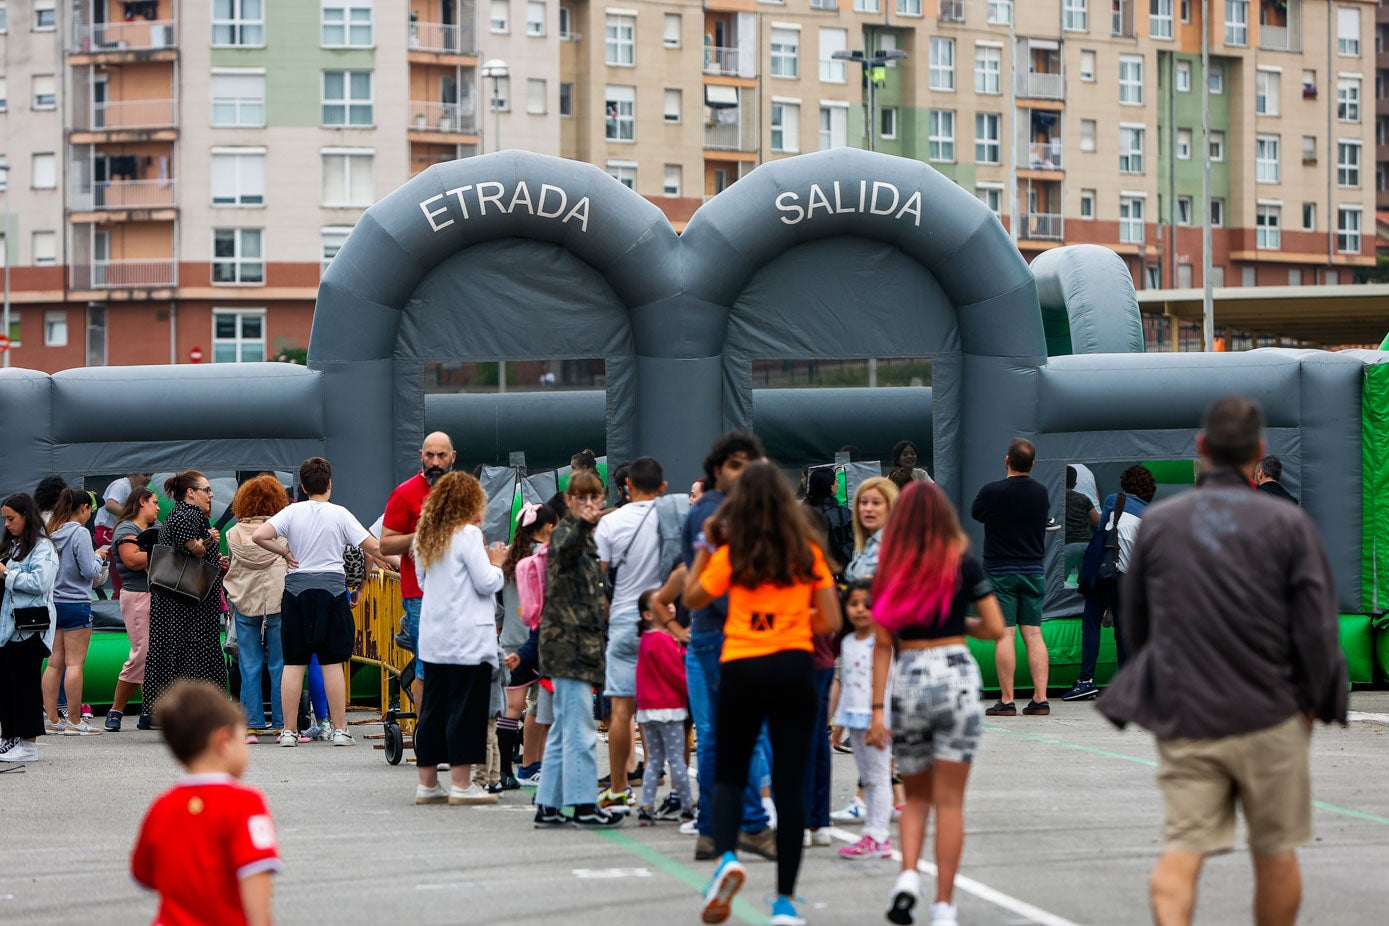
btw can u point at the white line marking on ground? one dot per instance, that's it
(1366, 715)
(978, 889)
(605, 874)
(443, 886)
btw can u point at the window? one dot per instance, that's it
(44, 172)
(1216, 79)
(909, 7)
(535, 96)
(332, 239)
(1217, 212)
(4, 93)
(45, 91)
(238, 177)
(942, 64)
(868, 6)
(671, 37)
(45, 248)
(566, 99)
(1183, 210)
(940, 130)
(55, 328)
(986, 138)
(672, 105)
(1248, 276)
(238, 22)
(621, 43)
(620, 106)
(991, 195)
(1309, 216)
(1075, 16)
(887, 122)
(786, 49)
(1268, 235)
(499, 20)
(1348, 34)
(348, 177)
(671, 185)
(535, 19)
(988, 69)
(1131, 80)
(786, 127)
(1130, 149)
(1348, 99)
(1266, 92)
(1183, 77)
(1348, 229)
(4, 185)
(834, 126)
(566, 19)
(238, 335)
(624, 172)
(237, 255)
(238, 98)
(347, 23)
(1347, 163)
(347, 98)
(1294, 276)
(1130, 220)
(1160, 19)
(1087, 66)
(1217, 151)
(831, 41)
(1087, 204)
(1266, 158)
(1001, 11)
(1236, 22)
(1309, 83)
(4, 18)
(45, 19)
(1087, 135)
(1183, 144)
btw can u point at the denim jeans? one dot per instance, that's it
(569, 775)
(702, 671)
(817, 779)
(1091, 624)
(255, 657)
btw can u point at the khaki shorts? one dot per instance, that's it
(1266, 772)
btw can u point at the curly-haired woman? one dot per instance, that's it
(255, 584)
(460, 578)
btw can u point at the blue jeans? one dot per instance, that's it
(817, 779)
(570, 765)
(255, 657)
(702, 671)
(410, 629)
(1091, 625)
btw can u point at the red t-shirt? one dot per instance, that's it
(198, 841)
(403, 516)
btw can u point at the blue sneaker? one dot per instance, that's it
(784, 913)
(722, 888)
(1083, 690)
(529, 774)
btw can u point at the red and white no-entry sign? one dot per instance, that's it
(4, 343)
(196, 355)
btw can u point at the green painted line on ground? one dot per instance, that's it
(1149, 763)
(682, 873)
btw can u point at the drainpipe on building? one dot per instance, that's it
(173, 331)
(1172, 169)
(1331, 214)
(1208, 293)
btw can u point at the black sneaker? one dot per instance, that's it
(509, 783)
(1002, 710)
(645, 817)
(550, 818)
(1083, 690)
(670, 810)
(494, 788)
(144, 723)
(1037, 708)
(635, 776)
(113, 721)
(605, 782)
(591, 816)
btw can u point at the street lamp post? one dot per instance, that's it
(495, 70)
(870, 64)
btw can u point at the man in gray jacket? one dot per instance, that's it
(1230, 612)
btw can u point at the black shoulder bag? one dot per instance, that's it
(1109, 562)
(610, 582)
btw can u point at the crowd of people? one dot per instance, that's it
(729, 620)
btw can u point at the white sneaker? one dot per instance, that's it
(943, 914)
(51, 727)
(818, 838)
(435, 795)
(288, 738)
(343, 738)
(82, 729)
(853, 812)
(905, 893)
(21, 751)
(689, 829)
(470, 795)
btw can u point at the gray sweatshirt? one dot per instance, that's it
(78, 564)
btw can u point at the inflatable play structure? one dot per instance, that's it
(829, 256)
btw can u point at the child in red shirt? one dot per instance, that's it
(662, 707)
(208, 844)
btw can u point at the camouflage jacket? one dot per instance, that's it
(574, 623)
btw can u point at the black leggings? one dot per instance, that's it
(21, 692)
(779, 689)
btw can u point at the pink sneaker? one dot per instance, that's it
(867, 847)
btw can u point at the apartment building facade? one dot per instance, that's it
(179, 173)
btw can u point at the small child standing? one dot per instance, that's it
(855, 714)
(208, 844)
(662, 706)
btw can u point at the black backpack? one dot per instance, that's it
(839, 522)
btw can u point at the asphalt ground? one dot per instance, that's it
(1062, 819)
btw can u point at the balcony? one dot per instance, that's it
(443, 38)
(137, 35)
(1280, 29)
(126, 115)
(107, 195)
(952, 11)
(1040, 155)
(721, 61)
(125, 274)
(1041, 226)
(1038, 86)
(455, 118)
(731, 136)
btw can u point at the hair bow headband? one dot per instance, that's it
(529, 512)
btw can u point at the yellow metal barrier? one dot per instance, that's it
(377, 617)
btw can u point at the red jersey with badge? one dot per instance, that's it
(197, 842)
(403, 516)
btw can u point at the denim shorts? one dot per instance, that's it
(623, 642)
(410, 630)
(73, 616)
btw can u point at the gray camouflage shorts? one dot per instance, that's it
(936, 712)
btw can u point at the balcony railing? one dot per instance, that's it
(443, 117)
(1040, 155)
(1038, 86)
(124, 115)
(1041, 226)
(135, 35)
(720, 60)
(443, 38)
(125, 274)
(1279, 38)
(122, 194)
(732, 136)
(824, 4)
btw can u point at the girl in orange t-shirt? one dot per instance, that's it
(759, 550)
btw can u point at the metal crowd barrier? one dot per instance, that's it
(377, 616)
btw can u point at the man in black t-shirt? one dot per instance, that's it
(1015, 512)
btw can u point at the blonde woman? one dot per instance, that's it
(873, 501)
(459, 576)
